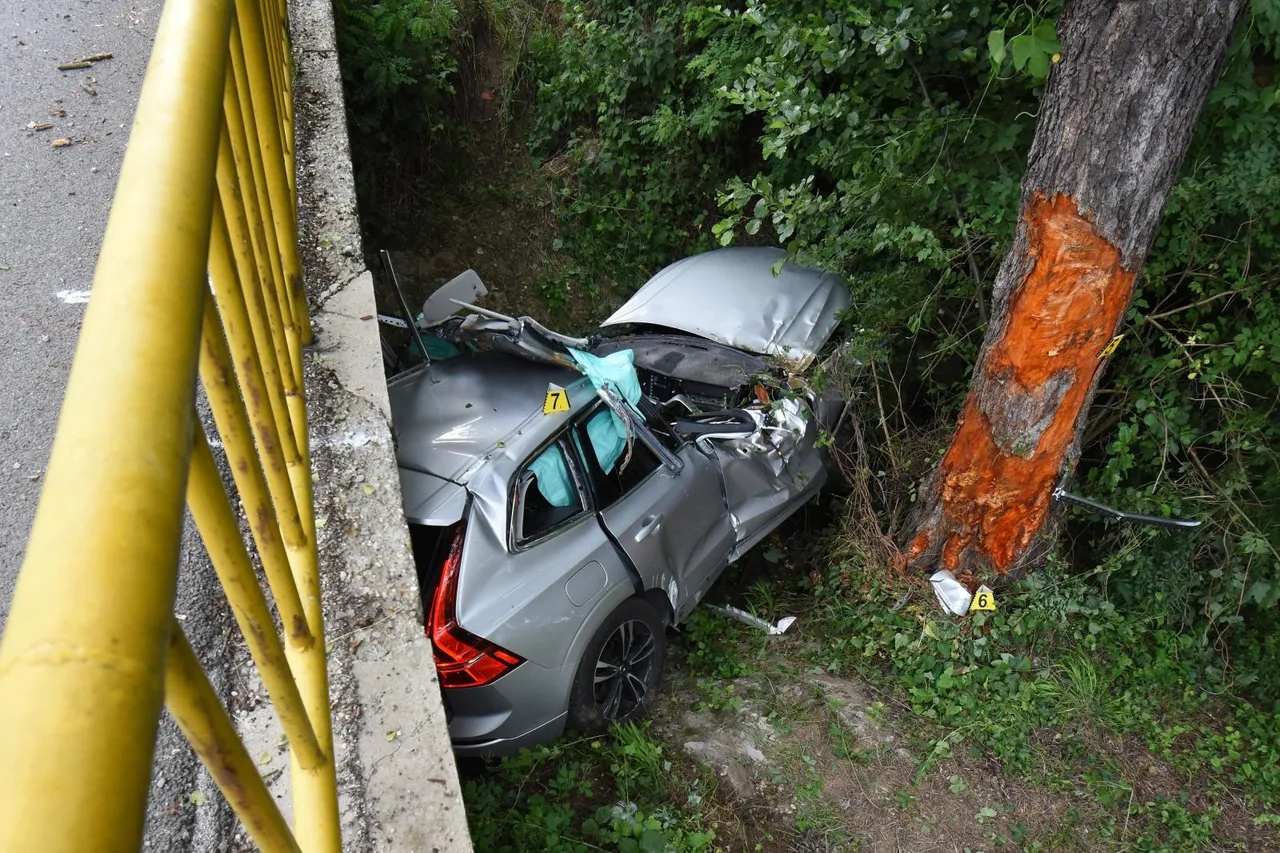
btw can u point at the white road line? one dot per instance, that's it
(74, 297)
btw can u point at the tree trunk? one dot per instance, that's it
(1118, 113)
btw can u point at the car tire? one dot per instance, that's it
(620, 669)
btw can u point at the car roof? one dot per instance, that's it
(450, 416)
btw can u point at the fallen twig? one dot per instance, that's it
(83, 62)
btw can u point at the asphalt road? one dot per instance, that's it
(53, 212)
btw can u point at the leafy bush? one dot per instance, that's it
(873, 139)
(398, 63)
(1188, 423)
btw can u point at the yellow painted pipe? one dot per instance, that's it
(242, 178)
(232, 418)
(207, 498)
(288, 67)
(276, 38)
(254, 272)
(256, 58)
(261, 44)
(198, 712)
(314, 791)
(83, 655)
(266, 344)
(253, 163)
(245, 134)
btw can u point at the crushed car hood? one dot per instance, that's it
(732, 296)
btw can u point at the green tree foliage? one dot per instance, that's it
(398, 64)
(409, 69)
(886, 139)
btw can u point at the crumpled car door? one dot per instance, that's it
(766, 473)
(671, 524)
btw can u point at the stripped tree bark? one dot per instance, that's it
(1117, 117)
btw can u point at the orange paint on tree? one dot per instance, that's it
(918, 545)
(996, 489)
(951, 552)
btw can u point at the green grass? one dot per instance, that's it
(619, 792)
(1067, 693)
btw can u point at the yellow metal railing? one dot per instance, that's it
(199, 269)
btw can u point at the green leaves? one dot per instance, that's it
(397, 61)
(1032, 50)
(1035, 50)
(995, 46)
(882, 146)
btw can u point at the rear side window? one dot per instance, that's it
(547, 495)
(616, 465)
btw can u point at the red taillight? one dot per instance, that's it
(462, 659)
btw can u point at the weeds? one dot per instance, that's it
(1059, 687)
(611, 793)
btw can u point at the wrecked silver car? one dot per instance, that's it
(568, 499)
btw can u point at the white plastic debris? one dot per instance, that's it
(464, 287)
(755, 621)
(954, 597)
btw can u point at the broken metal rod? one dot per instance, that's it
(1066, 497)
(404, 306)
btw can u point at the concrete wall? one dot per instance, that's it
(398, 784)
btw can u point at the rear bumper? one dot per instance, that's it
(511, 745)
(524, 708)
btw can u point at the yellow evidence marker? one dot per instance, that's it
(983, 599)
(557, 400)
(1111, 346)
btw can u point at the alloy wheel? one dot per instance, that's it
(624, 670)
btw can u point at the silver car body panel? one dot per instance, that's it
(769, 474)
(518, 600)
(431, 500)
(732, 296)
(452, 416)
(675, 530)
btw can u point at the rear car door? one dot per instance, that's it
(674, 526)
(539, 563)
